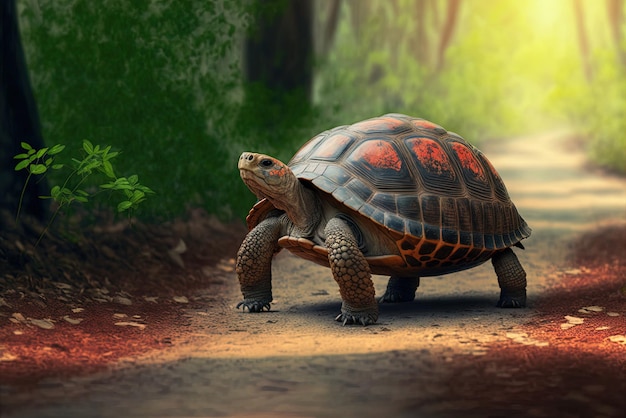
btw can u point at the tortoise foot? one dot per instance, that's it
(254, 305)
(349, 316)
(396, 297)
(509, 300)
(400, 289)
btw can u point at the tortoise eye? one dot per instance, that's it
(267, 162)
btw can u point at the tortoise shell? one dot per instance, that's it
(437, 195)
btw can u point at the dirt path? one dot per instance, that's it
(449, 352)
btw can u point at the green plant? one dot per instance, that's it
(96, 159)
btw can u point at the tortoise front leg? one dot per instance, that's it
(352, 273)
(254, 265)
(511, 278)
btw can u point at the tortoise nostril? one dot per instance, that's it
(250, 157)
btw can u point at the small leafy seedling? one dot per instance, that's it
(96, 159)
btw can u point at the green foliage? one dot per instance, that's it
(157, 79)
(96, 159)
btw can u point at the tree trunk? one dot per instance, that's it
(329, 26)
(583, 41)
(447, 31)
(615, 13)
(421, 42)
(279, 51)
(19, 119)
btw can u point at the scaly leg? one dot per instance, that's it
(254, 265)
(400, 289)
(352, 274)
(511, 278)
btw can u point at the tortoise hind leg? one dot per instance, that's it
(511, 278)
(400, 289)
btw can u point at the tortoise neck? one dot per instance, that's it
(301, 206)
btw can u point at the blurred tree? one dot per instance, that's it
(329, 12)
(583, 41)
(447, 31)
(279, 58)
(421, 39)
(615, 13)
(19, 118)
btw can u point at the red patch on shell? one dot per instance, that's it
(379, 154)
(378, 124)
(422, 123)
(431, 155)
(492, 168)
(468, 160)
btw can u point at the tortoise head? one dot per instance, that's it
(266, 176)
(272, 179)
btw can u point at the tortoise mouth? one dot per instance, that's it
(255, 182)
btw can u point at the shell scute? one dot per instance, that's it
(333, 147)
(380, 163)
(360, 189)
(409, 207)
(432, 158)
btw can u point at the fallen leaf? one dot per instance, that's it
(18, 317)
(613, 313)
(18, 332)
(78, 310)
(180, 299)
(591, 309)
(152, 299)
(620, 339)
(73, 321)
(131, 324)
(180, 248)
(175, 253)
(4, 303)
(122, 300)
(42, 323)
(572, 321)
(120, 315)
(62, 285)
(602, 328)
(7, 357)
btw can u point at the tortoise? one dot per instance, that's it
(393, 195)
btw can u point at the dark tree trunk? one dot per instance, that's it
(19, 119)
(279, 51)
(278, 65)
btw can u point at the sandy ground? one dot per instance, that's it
(450, 352)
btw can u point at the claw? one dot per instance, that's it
(347, 319)
(254, 306)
